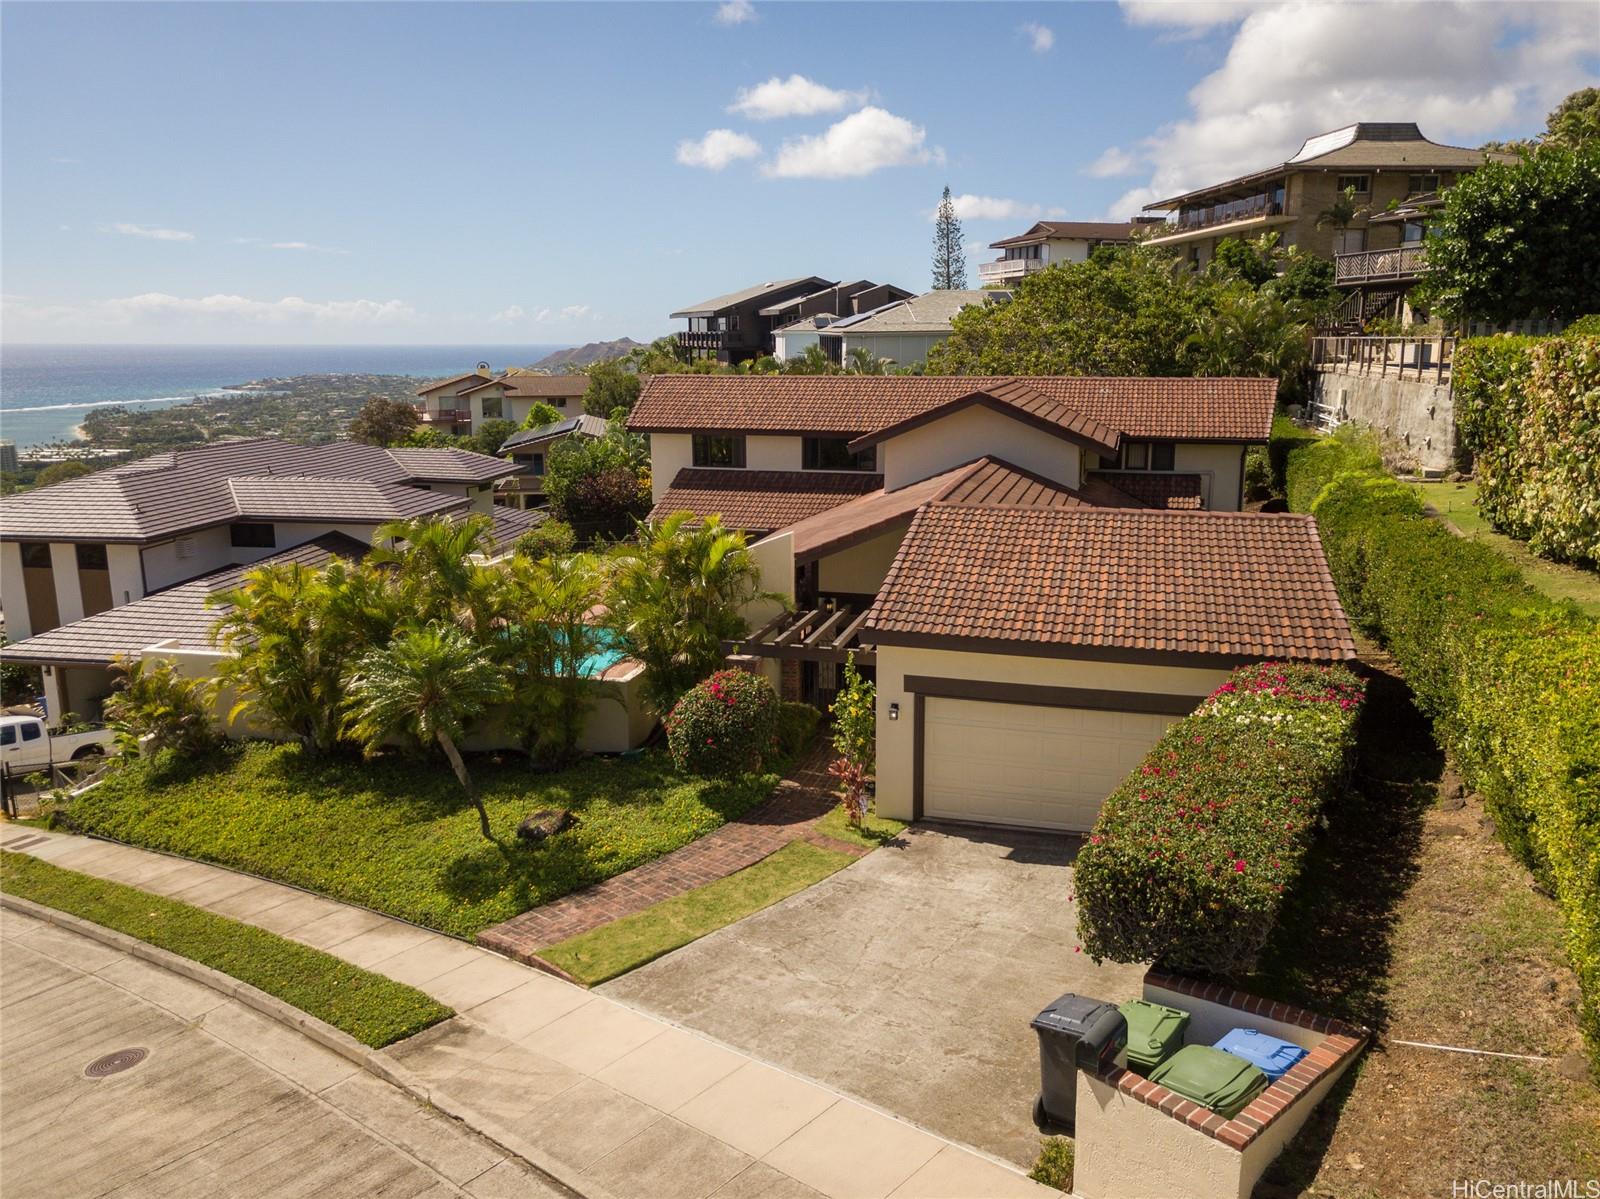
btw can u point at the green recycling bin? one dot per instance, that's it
(1212, 1078)
(1155, 1033)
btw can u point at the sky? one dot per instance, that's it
(441, 173)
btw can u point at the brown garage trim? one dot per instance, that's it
(1096, 653)
(922, 687)
(1053, 697)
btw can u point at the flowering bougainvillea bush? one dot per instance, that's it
(1191, 856)
(725, 725)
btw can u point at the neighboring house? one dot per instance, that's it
(732, 328)
(81, 548)
(903, 332)
(798, 324)
(1049, 243)
(530, 451)
(512, 395)
(1383, 164)
(442, 404)
(1011, 558)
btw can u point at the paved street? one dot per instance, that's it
(227, 1102)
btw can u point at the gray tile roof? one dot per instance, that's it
(511, 523)
(734, 298)
(931, 313)
(183, 490)
(337, 501)
(179, 613)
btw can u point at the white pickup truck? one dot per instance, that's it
(27, 745)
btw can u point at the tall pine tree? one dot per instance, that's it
(949, 256)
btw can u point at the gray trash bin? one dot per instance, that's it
(1075, 1033)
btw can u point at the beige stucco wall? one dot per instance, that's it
(774, 558)
(13, 592)
(861, 568)
(903, 349)
(970, 433)
(794, 345)
(163, 566)
(669, 453)
(896, 737)
(772, 453)
(1219, 465)
(127, 577)
(69, 590)
(1125, 1149)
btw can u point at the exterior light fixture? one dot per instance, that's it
(894, 711)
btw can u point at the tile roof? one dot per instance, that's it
(1110, 582)
(337, 501)
(589, 426)
(178, 613)
(439, 384)
(931, 313)
(994, 483)
(1180, 409)
(182, 490)
(1016, 397)
(1156, 490)
(511, 523)
(813, 283)
(524, 385)
(1081, 230)
(761, 500)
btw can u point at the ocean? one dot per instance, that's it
(45, 390)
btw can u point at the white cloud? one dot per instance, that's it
(1113, 161)
(544, 316)
(306, 246)
(506, 315)
(795, 96)
(1041, 37)
(131, 230)
(1188, 15)
(1298, 69)
(573, 311)
(735, 12)
(717, 149)
(64, 161)
(994, 208)
(862, 143)
(166, 314)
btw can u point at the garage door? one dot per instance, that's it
(1018, 764)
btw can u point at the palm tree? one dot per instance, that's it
(438, 567)
(814, 361)
(155, 707)
(428, 684)
(864, 362)
(678, 593)
(1251, 333)
(1342, 213)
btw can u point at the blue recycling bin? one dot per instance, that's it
(1273, 1056)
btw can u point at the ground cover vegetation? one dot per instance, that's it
(1190, 858)
(376, 1011)
(1508, 677)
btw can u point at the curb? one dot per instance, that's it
(371, 1060)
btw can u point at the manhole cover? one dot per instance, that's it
(115, 1063)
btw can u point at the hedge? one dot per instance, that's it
(1189, 860)
(1509, 677)
(1528, 410)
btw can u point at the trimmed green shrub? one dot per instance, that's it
(1528, 409)
(1190, 857)
(1286, 437)
(724, 726)
(797, 724)
(1509, 677)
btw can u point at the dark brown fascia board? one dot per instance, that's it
(980, 399)
(734, 431)
(9, 656)
(1053, 697)
(1095, 653)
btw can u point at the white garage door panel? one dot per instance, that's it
(1017, 764)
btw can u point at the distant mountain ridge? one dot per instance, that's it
(578, 356)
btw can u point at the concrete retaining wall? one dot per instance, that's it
(1417, 415)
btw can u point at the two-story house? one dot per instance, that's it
(512, 395)
(744, 324)
(1049, 243)
(441, 404)
(1380, 165)
(901, 333)
(1040, 573)
(96, 560)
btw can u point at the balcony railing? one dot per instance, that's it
(1402, 263)
(442, 416)
(1262, 204)
(1008, 268)
(691, 339)
(1422, 358)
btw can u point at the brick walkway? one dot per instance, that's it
(790, 815)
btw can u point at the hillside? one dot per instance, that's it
(577, 356)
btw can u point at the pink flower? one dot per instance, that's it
(1238, 866)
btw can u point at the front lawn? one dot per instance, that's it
(376, 1011)
(397, 834)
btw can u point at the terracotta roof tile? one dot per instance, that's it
(993, 483)
(1157, 490)
(1181, 409)
(1103, 581)
(761, 500)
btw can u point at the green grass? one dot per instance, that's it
(874, 831)
(626, 944)
(1457, 503)
(398, 835)
(376, 1011)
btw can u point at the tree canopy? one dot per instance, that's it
(383, 422)
(949, 251)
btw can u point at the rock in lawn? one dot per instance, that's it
(546, 822)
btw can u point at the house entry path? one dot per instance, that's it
(604, 1097)
(789, 815)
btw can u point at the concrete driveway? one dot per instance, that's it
(907, 979)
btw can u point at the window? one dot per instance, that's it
(30, 732)
(92, 557)
(718, 451)
(1416, 185)
(833, 453)
(538, 464)
(1147, 455)
(1361, 183)
(253, 536)
(36, 554)
(1412, 232)
(494, 407)
(1348, 241)
(8, 735)
(731, 322)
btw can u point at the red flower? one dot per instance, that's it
(1238, 865)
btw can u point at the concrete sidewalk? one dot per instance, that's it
(604, 1094)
